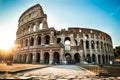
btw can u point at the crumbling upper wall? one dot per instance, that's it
(30, 14)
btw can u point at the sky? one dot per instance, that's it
(103, 15)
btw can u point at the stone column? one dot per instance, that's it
(37, 26)
(35, 40)
(84, 45)
(96, 59)
(42, 40)
(78, 40)
(52, 38)
(34, 58)
(27, 58)
(62, 39)
(41, 57)
(45, 25)
(51, 57)
(62, 56)
(72, 40)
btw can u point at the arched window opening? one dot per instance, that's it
(92, 44)
(93, 58)
(46, 58)
(88, 58)
(31, 41)
(99, 59)
(34, 27)
(26, 42)
(39, 40)
(86, 36)
(38, 57)
(106, 58)
(67, 43)
(30, 57)
(40, 26)
(25, 56)
(87, 44)
(68, 58)
(58, 40)
(103, 58)
(56, 58)
(77, 58)
(47, 39)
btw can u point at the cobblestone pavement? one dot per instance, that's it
(63, 72)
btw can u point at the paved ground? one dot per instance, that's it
(19, 67)
(63, 72)
(57, 72)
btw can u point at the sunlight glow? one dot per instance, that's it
(6, 44)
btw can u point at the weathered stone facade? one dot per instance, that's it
(37, 43)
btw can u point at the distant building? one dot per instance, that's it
(37, 43)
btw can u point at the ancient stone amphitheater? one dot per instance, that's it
(37, 43)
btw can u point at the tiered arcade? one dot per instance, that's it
(37, 43)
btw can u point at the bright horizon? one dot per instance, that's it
(102, 15)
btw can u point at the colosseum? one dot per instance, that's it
(36, 43)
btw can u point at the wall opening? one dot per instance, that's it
(46, 58)
(47, 39)
(67, 43)
(38, 57)
(56, 58)
(68, 58)
(77, 58)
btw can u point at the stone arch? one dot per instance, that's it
(77, 58)
(99, 59)
(38, 57)
(46, 58)
(67, 39)
(40, 25)
(92, 44)
(68, 58)
(34, 27)
(58, 40)
(86, 36)
(47, 39)
(39, 40)
(30, 57)
(87, 44)
(26, 42)
(56, 58)
(93, 58)
(67, 43)
(103, 59)
(88, 58)
(31, 41)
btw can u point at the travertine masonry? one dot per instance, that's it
(37, 43)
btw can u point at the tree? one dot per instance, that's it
(117, 52)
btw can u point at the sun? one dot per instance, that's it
(6, 44)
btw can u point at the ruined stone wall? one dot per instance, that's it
(37, 43)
